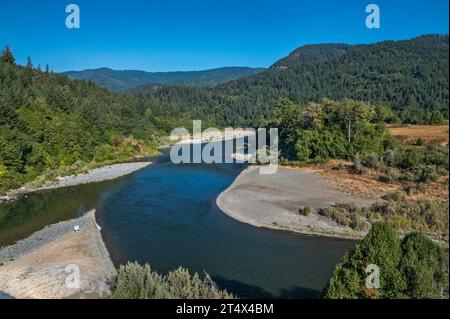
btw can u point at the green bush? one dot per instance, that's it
(392, 175)
(414, 267)
(134, 281)
(372, 161)
(340, 166)
(409, 158)
(358, 165)
(425, 173)
(428, 216)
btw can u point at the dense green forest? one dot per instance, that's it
(410, 76)
(120, 81)
(330, 129)
(48, 122)
(413, 267)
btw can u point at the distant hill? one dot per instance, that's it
(120, 81)
(411, 76)
(312, 53)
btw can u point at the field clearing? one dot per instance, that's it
(428, 133)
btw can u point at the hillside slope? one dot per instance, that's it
(48, 123)
(410, 76)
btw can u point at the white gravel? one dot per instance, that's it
(273, 201)
(35, 267)
(96, 175)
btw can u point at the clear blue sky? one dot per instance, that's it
(172, 35)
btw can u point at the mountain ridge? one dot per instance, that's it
(123, 80)
(411, 76)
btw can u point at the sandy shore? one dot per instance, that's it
(273, 201)
(36, 267)
(96, 175)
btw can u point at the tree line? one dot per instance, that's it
(410, 76)
(49, 122)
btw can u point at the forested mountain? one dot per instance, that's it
(312, 53)
(119, 81)
(410, 76)
(48, 122)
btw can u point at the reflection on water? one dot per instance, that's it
(32, 212)
(166, 215)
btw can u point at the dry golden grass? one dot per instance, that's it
(428, 133)
(369, 185)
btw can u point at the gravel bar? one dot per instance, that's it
(273, 201)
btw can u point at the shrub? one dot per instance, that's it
(415, 189)
(390, 158)
(420, 142)
(358, 166)
(414, 267)
(428, 216)
(305, 211)
(409, 158)
(340, 166)
(392, 175)
(372, 161)
(425, 173)
(345, 215)
(134, 281)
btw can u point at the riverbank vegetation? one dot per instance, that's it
(134, 281)
(353, 131)
(330, 129)
(428, 216)
(413, 267)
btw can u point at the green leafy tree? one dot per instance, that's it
(327, 129)
(414, 267)
(424, 266)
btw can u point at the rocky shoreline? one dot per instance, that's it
(274, 201)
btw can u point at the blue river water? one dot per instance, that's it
(166, 215)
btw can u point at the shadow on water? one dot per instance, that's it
(34, 211)
(4, 295)
(246, 291)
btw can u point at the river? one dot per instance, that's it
(166, 215)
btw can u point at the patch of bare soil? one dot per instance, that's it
(367, 185)
(436, 190)
(427, 133)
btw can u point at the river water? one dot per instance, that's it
(166, 215)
